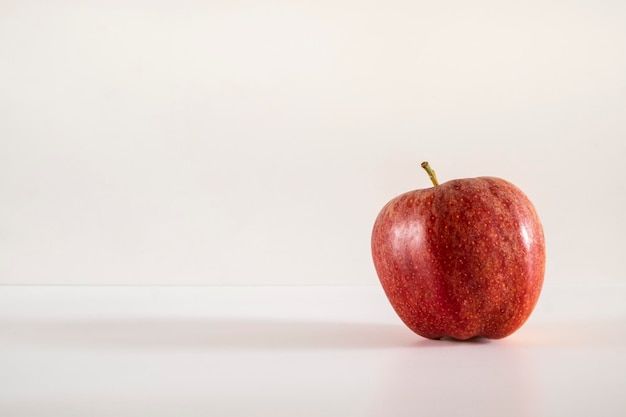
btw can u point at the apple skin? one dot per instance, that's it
(462, 259)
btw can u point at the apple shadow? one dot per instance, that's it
(259, 334)
(449, 342)
(205, 334)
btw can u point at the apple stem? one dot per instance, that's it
(431, 173)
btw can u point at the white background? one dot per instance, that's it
(248, 142)
(171, 143)
(75, 351)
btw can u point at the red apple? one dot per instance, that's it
(462, 259)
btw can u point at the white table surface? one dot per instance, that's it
(298, 351)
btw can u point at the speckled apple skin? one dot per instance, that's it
(463, 259)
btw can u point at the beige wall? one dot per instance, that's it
(182, 142)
